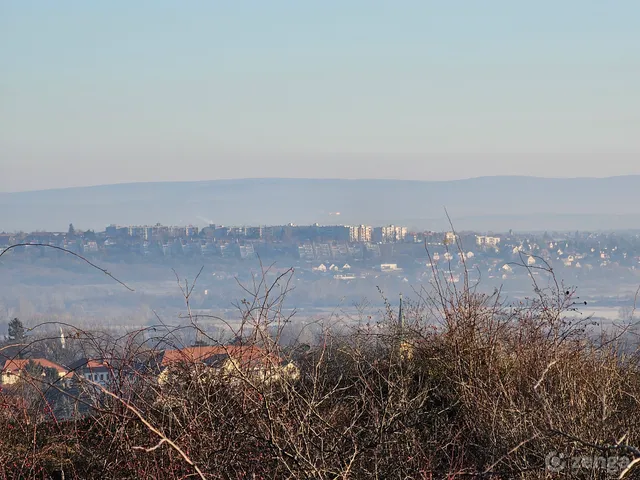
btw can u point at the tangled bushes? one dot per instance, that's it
(462, 385)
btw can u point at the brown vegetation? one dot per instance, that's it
(462, 386)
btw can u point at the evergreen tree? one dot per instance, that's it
(16, 332)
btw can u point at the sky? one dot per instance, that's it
(111, 92)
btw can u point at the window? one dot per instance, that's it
(102, 377)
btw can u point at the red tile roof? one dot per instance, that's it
(18, 364)
(96, 365)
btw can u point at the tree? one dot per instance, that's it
(46, 374)
(72, 231)
(15, 331)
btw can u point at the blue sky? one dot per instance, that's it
(107, 92)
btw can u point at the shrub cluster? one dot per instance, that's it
(458, 385)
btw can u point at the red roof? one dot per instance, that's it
(96, 365)
(17, 365)
(247, 355)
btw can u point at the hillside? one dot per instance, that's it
(485, 203)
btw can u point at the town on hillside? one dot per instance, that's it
(349, 252)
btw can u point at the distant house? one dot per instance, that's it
(95, 371)
(389, 267)
(482, 241)
(16, 369)
(449, 238)
(232, 361)
(98, 372)
(90, 247)
(246, 251)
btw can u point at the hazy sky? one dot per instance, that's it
(102, 92)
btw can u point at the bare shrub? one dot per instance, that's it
(460, 384)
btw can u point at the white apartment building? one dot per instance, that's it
(391, 233)
(484, 241)
(360, 233)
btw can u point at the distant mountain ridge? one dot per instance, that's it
(483, 203)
